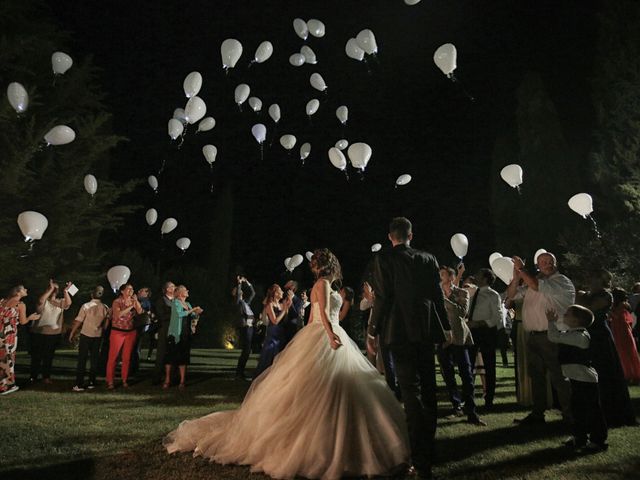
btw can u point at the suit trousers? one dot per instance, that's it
(245, 337)
(587, 413)
(161, 351)
(486, 341)
(43, 348)
(415, 370)
(89, 347)
(458, 355)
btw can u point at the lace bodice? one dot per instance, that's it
(335, 302)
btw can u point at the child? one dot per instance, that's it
(575, 360)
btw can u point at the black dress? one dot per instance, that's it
(179, 353)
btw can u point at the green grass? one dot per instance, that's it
(52, 432)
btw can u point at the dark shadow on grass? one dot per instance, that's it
(77, 469)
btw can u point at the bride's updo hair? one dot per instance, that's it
(326, 264)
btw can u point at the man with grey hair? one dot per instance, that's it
(547, 291)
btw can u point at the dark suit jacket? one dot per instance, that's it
(409, 303)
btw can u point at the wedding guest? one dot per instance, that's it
(91, 320)
(486, 317)
(456, 302)
(549, 290)
(574, 356)
(294, 318)
(347, 294)
(621, 322)
(243, 294)
(46, 332)
(13, 312)
(182, 325)
(274, 312)
(123, 333)
(163, 316)
(614, 393)
(142, 322)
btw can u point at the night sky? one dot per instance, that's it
(414, 118)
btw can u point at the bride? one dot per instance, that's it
(320, 411)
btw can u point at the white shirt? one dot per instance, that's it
(578, 338)
(488, 308)
(555, 292)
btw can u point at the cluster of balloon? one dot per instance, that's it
(32, 225)
(60, 135)
(359, 155)
(60, 63)
(364, 43)
(169, 225)
(376, 247)
(512, 174)
(153, 183)
(502, 267)
(305, 151)
(118, 276)
(403, 179)
(230, 51)
(18, 97)
(314, 27)
(151, 216)
(582, 204)
(306, 55)
(183, 243)
(446, 58)
(291, 263)
(90, 184)
(460, 245)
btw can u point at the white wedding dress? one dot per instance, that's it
(315, 413)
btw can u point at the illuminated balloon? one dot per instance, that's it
(263, 52)
(206, 124)
(312, 106)
(183, 243)
(180, 115)
(168, 225)
(230, 51)
(210, 152)
(353, 50)
(60, 135)
(537, 254)
(460, 245)
(153, 182)
(342, 144)
(118, 276)
(411, 2)
(151, 216)
(309, 55)
(288, 141)
(445, 58)
(582, 204)
(503, 268)
(274, 112)
(493, 256)
(192, 84)
(259, 132)
(195, 109)
(376, 247)
(337, 158)
(242, 93)
(18, 97)
(175, 128)
(367, 41)
(297, 59)
(256, 104)
(512, 174)
(305, 150)
(359, 154)
(90, 184)
(287, 264)
(296, 261)
(317, 82)
(32, 225)
(309, 255)
(342, 112)
(60, 62)
(301, 29)
(403, 179)
(316, 27)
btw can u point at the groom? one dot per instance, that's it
(410, 317)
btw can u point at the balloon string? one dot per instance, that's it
(261, 151)
(164, 160)
(455, 79)
(518, 189)
(595, 226)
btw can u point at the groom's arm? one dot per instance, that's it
(383, 297)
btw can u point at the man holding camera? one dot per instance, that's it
(243, 293)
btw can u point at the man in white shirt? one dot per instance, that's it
(549, 290)
(485, 318)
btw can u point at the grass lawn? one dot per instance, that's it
(52, 432)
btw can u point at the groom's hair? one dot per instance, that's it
(400, 229)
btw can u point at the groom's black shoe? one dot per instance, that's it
(530, 419)
(476, 420)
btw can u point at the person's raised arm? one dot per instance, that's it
(45, 295)
(66, 301)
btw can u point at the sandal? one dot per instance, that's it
(182, 386)
(110, 386)
(165, 386)
(125, 385)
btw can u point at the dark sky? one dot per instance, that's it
(414, 118)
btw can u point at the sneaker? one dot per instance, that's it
(14, 388)
(530, 419)
(91, 386)
(457, 413)
(78, 388)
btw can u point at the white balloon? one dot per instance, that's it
(359, 154)
(60, 135)
(192, 84)
(230, 51)
(151, 216)
(337, 158)
(317, 82)
(445, 58)
(90, 184)
(582, 204)
(153, 182)
(183, 243)
(259, 132)
(539, 252)
(301, 29)
(493, 256)
(309, 55)
(305, 150)
(411, 2)
(287, 264)
(195, 109)
(60, 62)
(342, 144)
(312, 106)
(403, 179)
(376, 247)
(503, 268)
(180, 115)
(32, 225)
(297, 59)
(263, 52)
(274, 112)
(18, 97)
(288, 141)
(242, 93)
(255, 103)
(118, 276)
(353, 50)
(460, 245)
(168, 225)
(512, 174)
(316, 27)
(175, 128)
(206, 124)
(296, 260)
(367, 41)
(342, 112)
(309, 255)
(210, 152)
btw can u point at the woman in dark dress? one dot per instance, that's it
(179, 335)
(274, 341)
(614, 393)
